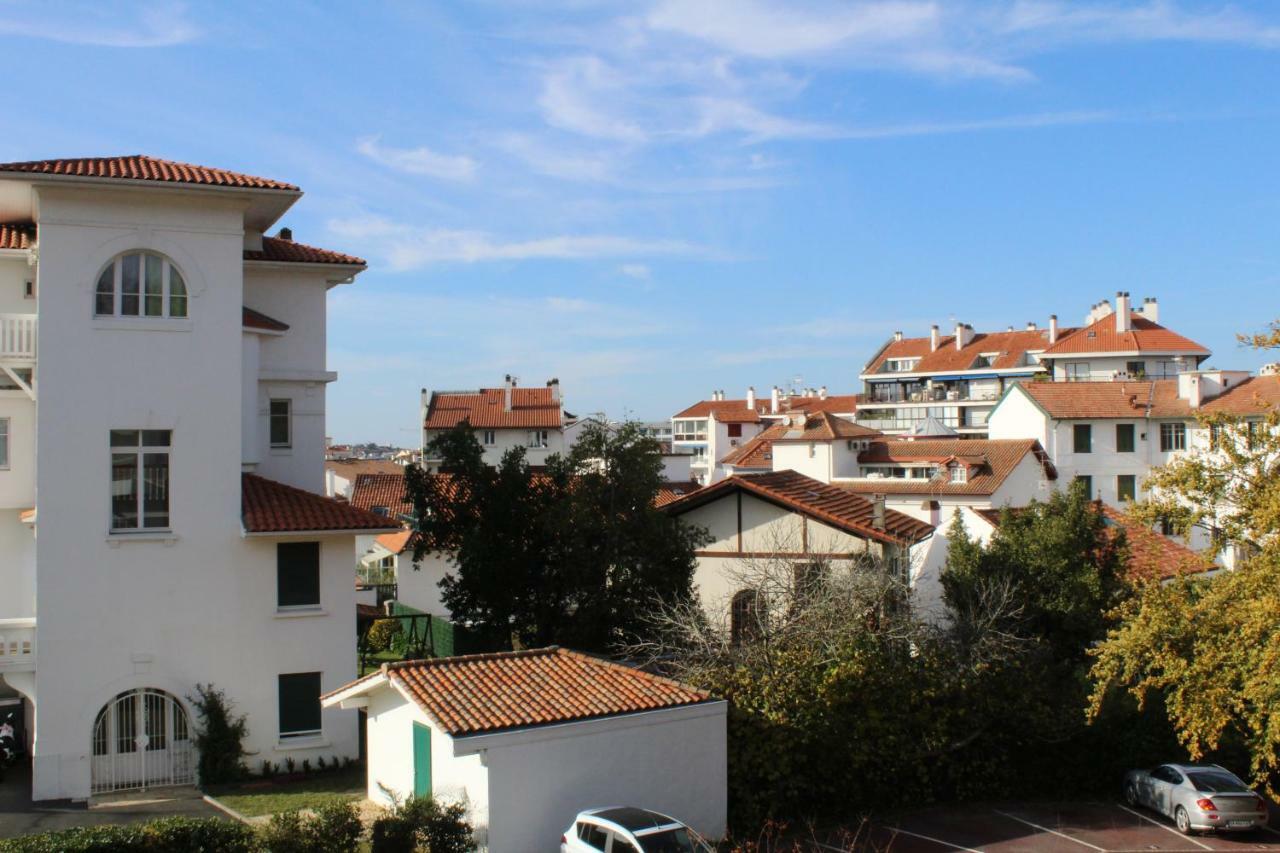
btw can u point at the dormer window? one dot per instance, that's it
(959, 474)
(140, 284)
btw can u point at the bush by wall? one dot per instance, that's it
(208, 835)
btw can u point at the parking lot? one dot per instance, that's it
(1101, 827)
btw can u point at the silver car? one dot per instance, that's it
(1197, 797)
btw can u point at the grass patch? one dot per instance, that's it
(262, 797)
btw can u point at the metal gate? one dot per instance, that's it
(142, 739)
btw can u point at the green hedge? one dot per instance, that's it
(207, 835)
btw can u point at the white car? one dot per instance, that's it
(625, 829)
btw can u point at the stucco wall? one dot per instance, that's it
(17, 567)
(420, 587)
(18, 477)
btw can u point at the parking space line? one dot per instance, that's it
(934, 840)
(1164, 827)
(1052, 831)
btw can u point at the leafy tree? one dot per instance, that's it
(570, 554)
(219, 737)
(1207, 648)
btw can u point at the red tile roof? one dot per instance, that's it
(139, 167)
(671, 491)
(257, 320)
(829, 504)
(1257, 395)
(1156, 398)
(483, 694)
(381, 490)
(17, 235)
(349, 469)
(825, 426)
(271, 507)
(737, 411)
(990, 462)
(1151, 554)
(756, 452)
(1145, 336)
(277, 250)
(396, 542)
(1010, 350)
(534, 408)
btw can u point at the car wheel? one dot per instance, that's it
(1131, 794)
(1183, 820)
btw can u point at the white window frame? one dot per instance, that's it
(1177, 435)
(140, 452)
(959, 474)
(166, 296)
(490, 437)
(5, 444)
(288, 420)
(539, 438)
(1072, 371)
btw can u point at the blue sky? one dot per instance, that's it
(650, 200)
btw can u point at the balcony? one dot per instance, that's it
(17, 645)
(18, 338)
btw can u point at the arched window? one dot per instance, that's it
(140, 284)
(746, 616)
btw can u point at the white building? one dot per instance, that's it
(161, 451)
(956, 379)
(712, 429)
(502, 418)
(555, 732)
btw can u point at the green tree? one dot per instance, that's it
(571, 554)
(1208, 648)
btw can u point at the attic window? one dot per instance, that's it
(959, 474)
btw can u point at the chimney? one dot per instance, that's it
(897, 336)
(1124, 322)
(554, 385)
(1053, 329)
(773, 401)
(1150, 309)
(507, 385)
(933, 338)
(822, 393)
(751, 397)
(285, 234)
(964, 335)
(1031, 326)
(1009, 329)
(1102, 309)
(877, 512)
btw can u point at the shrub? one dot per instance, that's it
(285, 833)
(219, 738)
(423, 822)
(306, 766)
(382, 634)
(206, 835)
(333, 828)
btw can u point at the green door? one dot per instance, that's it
(421, 760)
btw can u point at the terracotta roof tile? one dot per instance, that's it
(396, 542)
(533, 408)
(271, 507)
(1120, 399)
(671, 491)
(1010, 350)
(824, 426)
(481, 694)
(381, 490)
(756, 452)
(17, 235)
(737, 411)
(277, 250)
(139, 167)
(1145, 336)
(1257, 395)
(990, 462)
(829, 504)
(257, 320)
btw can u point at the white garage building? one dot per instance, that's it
(528, 739)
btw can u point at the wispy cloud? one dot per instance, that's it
(407, 247)
(639, 272)
(1157, 20)
(418, 161)
(104, 25)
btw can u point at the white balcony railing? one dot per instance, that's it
(17, 645)
(18, 337)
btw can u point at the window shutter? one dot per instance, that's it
(298, 574)
(299, 703)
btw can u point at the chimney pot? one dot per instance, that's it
(751, 397)
(933, 338)
(285, 234)
(897, 336)
(774, 400)
(1053, 329)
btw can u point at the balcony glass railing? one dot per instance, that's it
(18, 337)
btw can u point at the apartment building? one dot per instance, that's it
(501, 418)
(162, 421)
(712, 429)
(956, 379)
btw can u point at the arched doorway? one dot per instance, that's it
(142, 739)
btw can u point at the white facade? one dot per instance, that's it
(523, 787)
(193, 601)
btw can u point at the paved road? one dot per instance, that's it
(19, 816)
(1098, 827)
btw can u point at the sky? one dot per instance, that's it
(653, 200)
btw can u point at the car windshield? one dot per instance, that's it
(1211, 782)
(668, 841)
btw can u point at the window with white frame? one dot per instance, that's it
(4, 442)
(538, 438)
(139, 479)
(140, 284)
(490, 437)
(1077, 371)
(281, 423)
(959, 474)
(1173, 436)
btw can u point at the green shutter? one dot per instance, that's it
(421, 760)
